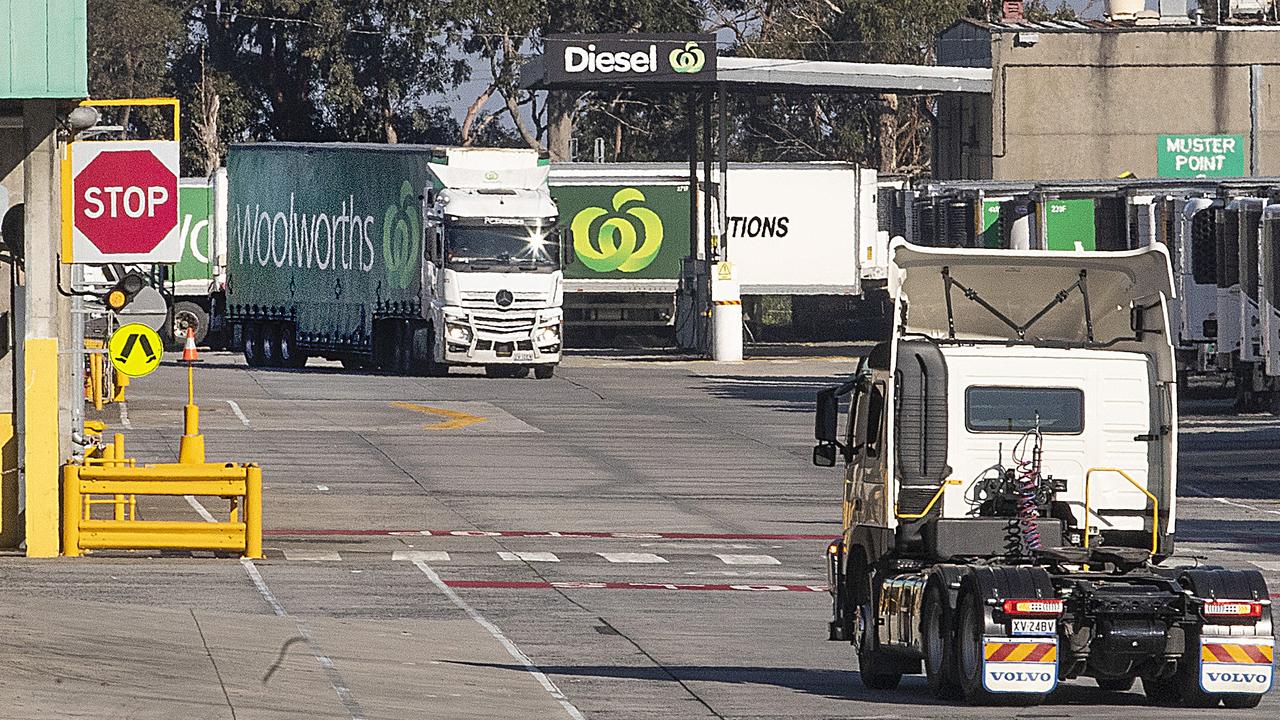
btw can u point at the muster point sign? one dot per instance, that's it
(124, 202)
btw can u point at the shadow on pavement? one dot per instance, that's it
(792, 393)
(836, 684)
(1256, 536)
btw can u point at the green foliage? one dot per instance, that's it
(381, 71)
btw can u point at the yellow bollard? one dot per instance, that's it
(122, 382)
(71, 511)
(191, 448)
(253, 512)
(117, 451)
(95, 380)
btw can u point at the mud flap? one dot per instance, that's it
(1020, 665)
(1236, 664)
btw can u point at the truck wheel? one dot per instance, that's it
(544, 372)
(251, 342)
(189, 315)
(271, 345)
(971, 628)
(424, 355)
(291, 356)
(876, 671)
(404, 348)
(939, 641)
(1236, 584)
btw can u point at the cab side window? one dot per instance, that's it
(875, 420)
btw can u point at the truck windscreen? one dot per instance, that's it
(474, 246)
(1018, 409)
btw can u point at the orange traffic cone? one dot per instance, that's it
(189, 348)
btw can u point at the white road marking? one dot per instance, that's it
(335, 678)
(1201, 493)
(421, 555)
(529, 556)
(509, 646)
(630, 557)
(316, 555)
(1268, 565)
(235, 408)
(322, 488)
(124, 415)
(199, 508)
(748, 559)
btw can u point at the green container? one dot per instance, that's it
(327, 235)
(195, 223)
(624, 231)
(1070, 225)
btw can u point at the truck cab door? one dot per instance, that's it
(864, 488)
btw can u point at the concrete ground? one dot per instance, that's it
(640, 537)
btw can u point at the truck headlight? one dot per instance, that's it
(458, 333)
(549, 335)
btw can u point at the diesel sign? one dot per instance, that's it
(632, 58)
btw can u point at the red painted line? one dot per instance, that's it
(287, 532)
(544, 585)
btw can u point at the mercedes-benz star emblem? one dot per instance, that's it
(504, 298)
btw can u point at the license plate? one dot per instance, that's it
(522, 356)
(1035, 626)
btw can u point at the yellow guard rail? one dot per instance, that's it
(242, 484)
(1155, 505)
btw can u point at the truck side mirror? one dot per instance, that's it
(827, 416)
(824, 454)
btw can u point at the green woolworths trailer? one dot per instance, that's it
(326, 237)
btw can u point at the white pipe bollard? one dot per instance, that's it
(726, 315)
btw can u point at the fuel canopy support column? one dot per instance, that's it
(45, 313)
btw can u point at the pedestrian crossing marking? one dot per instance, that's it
(632, 557)
(730, 559)
(529, 556)
(421, 555)
(313, 555)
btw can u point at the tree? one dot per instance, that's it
(131, 45)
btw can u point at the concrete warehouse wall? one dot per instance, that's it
(1091, 104)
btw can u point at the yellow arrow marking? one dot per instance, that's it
(455, 419)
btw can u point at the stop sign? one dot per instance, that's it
(124, 202)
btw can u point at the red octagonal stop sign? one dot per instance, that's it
(125, 202)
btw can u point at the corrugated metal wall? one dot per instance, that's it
(43, 49)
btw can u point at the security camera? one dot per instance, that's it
(83, 118)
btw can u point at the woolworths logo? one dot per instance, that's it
(401, 230)
(627, 239)
(687, 60)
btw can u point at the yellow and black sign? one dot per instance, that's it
(135, 349)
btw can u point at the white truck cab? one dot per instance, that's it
(1010, 490)
(492, 277)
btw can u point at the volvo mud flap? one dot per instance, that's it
(1013, 665)
(1236, 664)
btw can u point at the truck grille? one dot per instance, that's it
(502, 323)
(486, 300)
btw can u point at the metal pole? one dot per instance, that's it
(709, 242)
(691, 114)
(1255, 119)
(722, 118)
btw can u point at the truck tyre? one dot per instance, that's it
(424, 353)
(189, 315)
(271, 356)
(404, 348)
(251, 343)
(938, 637)
(1185, 688)
(544, 372)
(291, 356)
(876, 671)
(974, 617)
